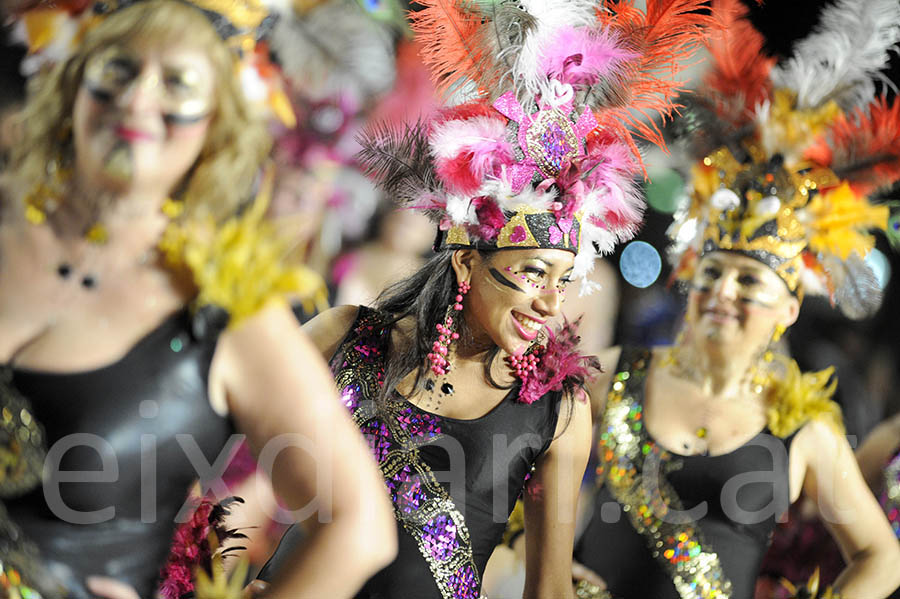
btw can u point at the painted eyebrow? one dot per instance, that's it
(546, 262)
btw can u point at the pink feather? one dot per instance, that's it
(468, 151)
(561, 368)
(611, 169)
(490, 218)
(585, 56)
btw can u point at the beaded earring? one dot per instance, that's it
(527, 364)
(440, 365)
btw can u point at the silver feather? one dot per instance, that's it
(856, 289)
(336, 49)
(843, 57)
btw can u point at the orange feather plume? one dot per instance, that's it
(739, 79)
(665, 36)
(863, 147)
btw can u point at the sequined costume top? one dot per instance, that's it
(676, 527)
(144, 421)
(453, 482)
(890, 496)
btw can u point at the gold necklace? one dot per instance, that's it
(756, 378)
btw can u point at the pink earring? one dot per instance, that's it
(447, 333)
(525, 364)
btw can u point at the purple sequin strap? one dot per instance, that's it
(396, 430)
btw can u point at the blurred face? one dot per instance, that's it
(738, 301)
(142, 113)
(514, 293)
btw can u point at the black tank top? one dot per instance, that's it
(453, 482)
(141, 420)
(638, 542)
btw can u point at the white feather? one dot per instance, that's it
(501, 191)
(280, 7)
(336, 49)
(551, 17)
(451, 138)
(813, 283)
(461, 210)
(845, 53)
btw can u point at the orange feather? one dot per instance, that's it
(666, 36)
(863, 146)
(447, 30)
(739, 79)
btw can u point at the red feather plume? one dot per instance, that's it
(666, 36)
(863, 146)
(739, 79)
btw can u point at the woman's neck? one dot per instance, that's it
(131, 221)
(718, 373)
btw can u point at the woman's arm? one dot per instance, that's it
(282, 396)
(875, 451)
(550, 501)
(832, 480)
(328, 329)
(599, 387)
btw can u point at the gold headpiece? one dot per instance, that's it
(784, 172)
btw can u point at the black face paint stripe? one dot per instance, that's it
(178, 119)
(504, 281)
(100, 95)
(746, 300)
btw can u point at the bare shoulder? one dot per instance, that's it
(328, 329)
(818, 441)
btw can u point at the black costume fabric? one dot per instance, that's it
(453, 482)
(147, 419)
(635, 541)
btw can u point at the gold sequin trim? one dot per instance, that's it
(625, 450)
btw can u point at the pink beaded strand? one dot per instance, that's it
(524, 365)
(447, 333)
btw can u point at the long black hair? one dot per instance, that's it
(424, 296)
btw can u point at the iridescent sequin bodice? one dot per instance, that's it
(678, 527)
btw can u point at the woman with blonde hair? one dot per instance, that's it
(126, 245)
(705, 444)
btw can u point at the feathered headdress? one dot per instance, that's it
(542, 154)
(788, 154)
(53, 30)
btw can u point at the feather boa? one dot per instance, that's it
(191, 549)
(561, 367)
(467, 151)
(585, 56)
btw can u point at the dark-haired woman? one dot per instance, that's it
(448, 377)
